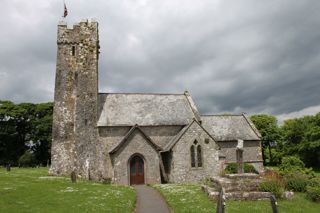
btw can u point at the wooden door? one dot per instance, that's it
(136, 171)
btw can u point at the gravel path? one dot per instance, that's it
(150, 201)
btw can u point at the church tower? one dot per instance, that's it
(74, 130)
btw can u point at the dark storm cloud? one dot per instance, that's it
(232, 56)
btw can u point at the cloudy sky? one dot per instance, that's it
(232, 56)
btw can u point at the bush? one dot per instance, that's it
(313, 193)
(272, 182)
(314, 181)
(27, 159)
(297, 181)
(232, 168)
(291, 164)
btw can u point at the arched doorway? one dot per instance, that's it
(136, 170)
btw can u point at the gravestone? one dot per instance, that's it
(8, 167)
(73, 177)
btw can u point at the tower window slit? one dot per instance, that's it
(73, 50)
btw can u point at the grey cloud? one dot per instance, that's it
(232, 56)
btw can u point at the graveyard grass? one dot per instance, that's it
(31, 190)
(189, 198)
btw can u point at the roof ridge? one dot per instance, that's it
(193, 106)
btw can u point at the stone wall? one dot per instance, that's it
(181, 170)
(75, 101)
(109, 137)
(252, 152)
(136, 144)
(161, 135)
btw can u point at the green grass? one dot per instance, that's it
(299, 204)
(31, 190)
(185, 198)
(190, 198)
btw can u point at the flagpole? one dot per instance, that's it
(65, 10)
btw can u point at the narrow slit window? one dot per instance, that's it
(73, 50)
(193, 157)
(76, 78)
(199, 156)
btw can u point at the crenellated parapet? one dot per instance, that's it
(85, 31)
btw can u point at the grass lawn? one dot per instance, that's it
(185, 198)
(31, 190)
(190, 198)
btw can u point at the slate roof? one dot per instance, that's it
(145, 109)
(230, 127)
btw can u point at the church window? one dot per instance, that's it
(193, 157)
(196, 154)
(199, 156)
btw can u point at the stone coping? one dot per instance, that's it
(243, 175)
(213, 194)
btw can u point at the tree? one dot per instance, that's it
(25, 127)
(41, 132)
(15, 126)
(270, 132)
(302, 138)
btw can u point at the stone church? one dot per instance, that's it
(135, 138)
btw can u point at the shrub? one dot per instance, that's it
(293, 164)
(313, 193)
(314, 181)
(232, 168)
(27, 159)
(272, 182)
(297, 181)
(290, 164)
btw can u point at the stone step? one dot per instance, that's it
(248, 195)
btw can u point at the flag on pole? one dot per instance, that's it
(65, 12)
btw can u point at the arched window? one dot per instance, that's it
(193, 156)
(196, 154)
(199, 156)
